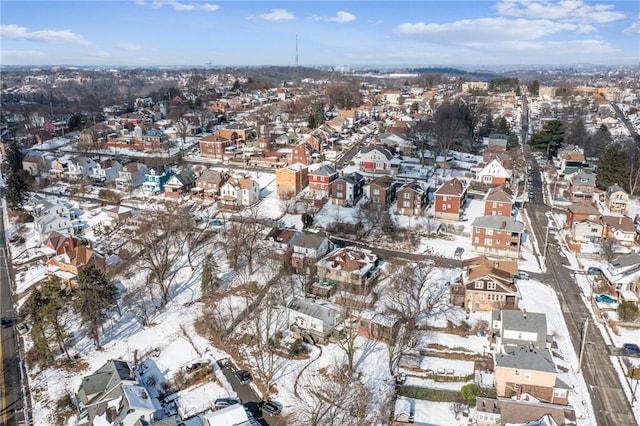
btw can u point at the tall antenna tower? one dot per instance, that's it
(296, 50)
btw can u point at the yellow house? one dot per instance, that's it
(617, 199)
(291, 180)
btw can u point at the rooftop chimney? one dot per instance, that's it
(504, 224)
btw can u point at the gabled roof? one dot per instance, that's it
(352, 178)
(310, 240)
(106, 377)
(382, 150)
(526, 358)
(507, 223)
(500, 194)
(350, 259)
(212, 176)
(583, 208)
(522, 321)
(324, 170)
(282, 235)
(383, 181)
(615, 188)
(451, 187)
(319, 309)
(415, 186)
(185, 178)
(621, 223)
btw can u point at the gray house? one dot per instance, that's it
(518, 328)
(313, 319)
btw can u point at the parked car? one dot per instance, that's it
(594, 271)
(271, 407)
(225, 402)
(6, 322)
(631, 348)
(605, 298)
(521, 276)
(223, 362)
(244, 376)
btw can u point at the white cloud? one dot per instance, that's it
(50, 36)
(633, 28)
(129, 46)
(21, 54)
(99, 54)
(342, 17)
(278, 15)
(486, 30)
(179, 6)
(567, 10)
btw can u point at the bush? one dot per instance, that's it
(296, 348)
(470, 392)
(627, 311)
(437, 395)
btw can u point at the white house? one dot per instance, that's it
(80, 168)
(239, 191)
(375, 159)
(308, 248)
(105, 171)
(49, 217)
(131, 176)
(493, 173)
(314, 319)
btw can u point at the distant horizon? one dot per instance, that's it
(175, 33)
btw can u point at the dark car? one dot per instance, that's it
(6, 322)
(244, 376)
(631, 348)
(271, 407)
(225, 402)
(594, 271)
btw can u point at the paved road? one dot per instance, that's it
(609, 402)
(249, 397)
(11, 412)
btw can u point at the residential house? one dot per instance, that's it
(80, 168)
(155, 180)
(582, 187)
(35, 165)
(239, 192)
(519, 328)
(494, 173)
(291, 180)
(377, 325)
(304, 154)
(58, 167)
(400, 142)
(49, 217)
(60, 243)
(113, 396)
(105, 172)
(502, 411)
(620, 229)
(623, 276)
(308, 248)
(529, 370)
(495, 139)
(118, 213)
(68, 265)
(234, 415)
(585, 231)
(375, 159)
(486, 284)
(617, 199)
(382, 192)
(320, 180)
(210, 182)
(450, 200)
(412, 198)
(497, 235)
(279, 241)
(214, 146)
(499, 201)
(131, 176)
(346, 190)
(580, 212)
(313, 320)
(180, 183)
(351, 269)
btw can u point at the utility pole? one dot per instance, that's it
(584, 338)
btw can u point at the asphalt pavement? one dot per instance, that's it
(610, 404)
(11, 407)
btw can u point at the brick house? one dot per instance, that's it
(382, 192)
(214, 146)
(347, 189)
(581, 211)
(529, 370)
(320, 180)
(497, 235)
(352, 269)
(210, 182)
(499, 201)
(376, 325)
(304, 154)
(450, 200)
(290, 180)
(582, 187)
(486, 285)
(412, 199)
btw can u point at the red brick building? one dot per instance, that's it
(497, 235)
(498, 201)
(450, 200)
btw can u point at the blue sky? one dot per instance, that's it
(159, 32)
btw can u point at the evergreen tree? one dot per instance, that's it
(210, 281)
(94, 297)
(599, 142)
(512, 140)
(414, 108)
(550, 138)
(534, 88)
(35, 303)
(613, 168)
(17, 190)
(14, 156)
(487, 126)
(502, 126)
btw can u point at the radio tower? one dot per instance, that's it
(296, 50)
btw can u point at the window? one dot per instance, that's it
(476, 240)
(491, 286)
(376, 191)
(339, 187)
(560, 393)
(479, 284)
(406, 204)
(376, 199)
(406, 195)
(488, 241)
(497, 242)
(527, 376)
(494, 204)
(516, 373)
(477, 230)
(444, 207)
(489, 232)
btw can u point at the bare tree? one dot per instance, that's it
(162, 240)
(633, 152)
(402, 341)
(451, 127)
(346, 340)
(141, 304)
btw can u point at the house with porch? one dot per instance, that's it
(320, 180)
(616, 199)
(486, 285)
(497, 235)
(619, 228)
(105, 172)
(180, 183)
(375, 159)
(131, 176)
(450, 200)
(79, 168)
(155, 180)
(51, 217)
(308, 248)
(582, 187)
(351, 269)
(493, 173)
(239, 192)
(209, 182)
(67, 265)
(314, 320)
